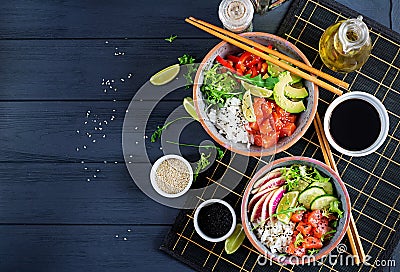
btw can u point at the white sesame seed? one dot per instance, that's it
(88, 179)
(94, 141)
(130, 156)
(82, 162)
(115, 162)
(85, 168)
(95, 128)
(160, 148)
(129, 230)
(97, 170)
(136, 128)
(112, 80)
(77, 149)
(130, 162)
(85, 122)
(77, 131)
(104, 136)
(106, 42)
(125, 238)
(105, 161)
(116, 236)
(136, 142)
(94, 176)
(84, 146)
(122, 79)
(114, 100)
(127, 111)
(113, 110)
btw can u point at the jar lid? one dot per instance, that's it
(236, 15)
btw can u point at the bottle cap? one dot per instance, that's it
(236, 15)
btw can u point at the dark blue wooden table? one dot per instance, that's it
(68, 203)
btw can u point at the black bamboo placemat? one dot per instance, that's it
(372, 181)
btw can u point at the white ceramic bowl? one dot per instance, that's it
(383, 116)
(196, 224)
(153, 176)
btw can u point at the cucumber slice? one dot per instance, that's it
(322, 202)
(327, 186)
(309, 194)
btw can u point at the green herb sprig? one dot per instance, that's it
(186, 59)
(220, 152)
(313, 251)
(326, 234)
(201, 164)
(171, 38)
(299, 239)
(218, 87)
(157, 133)
(267, 83)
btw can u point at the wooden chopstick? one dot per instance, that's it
(276, 53)
(268, 58)
(352, 233)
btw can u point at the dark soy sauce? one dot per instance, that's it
(355, 124)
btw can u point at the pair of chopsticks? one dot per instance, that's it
(354, 238)
(254, 47)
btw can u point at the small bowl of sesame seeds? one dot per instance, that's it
(171, 176)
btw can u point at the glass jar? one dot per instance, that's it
(346, 45)
(236, 15)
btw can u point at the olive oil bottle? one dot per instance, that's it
(345, 46)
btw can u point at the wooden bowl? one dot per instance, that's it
(304, 119)
(341, 192)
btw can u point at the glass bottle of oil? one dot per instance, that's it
(346, 45)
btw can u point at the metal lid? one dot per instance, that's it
(236, 15)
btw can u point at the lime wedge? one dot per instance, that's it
(166, 75)
(235, 240)
(189, 107)
(288, 201)
(255, 90)
(247, 107)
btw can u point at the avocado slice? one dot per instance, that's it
(295, 93)
(295, 78)
(280, 98)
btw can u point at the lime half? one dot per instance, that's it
(235, 240)
(189, 107)
(255, 90)
(165, 75)
(289, 200)
(247, 107)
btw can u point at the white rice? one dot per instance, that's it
(230, 121)
(276, 235)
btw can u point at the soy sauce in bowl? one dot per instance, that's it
(355, 124)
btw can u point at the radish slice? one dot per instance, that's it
(256, 213)
(276, 182)
(257, 197)
(265, 211)
(276, 197)
(270, 175)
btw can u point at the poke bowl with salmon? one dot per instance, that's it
(249, 105)
(295, 210)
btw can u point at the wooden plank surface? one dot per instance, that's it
(54, 56)
(38, 248)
